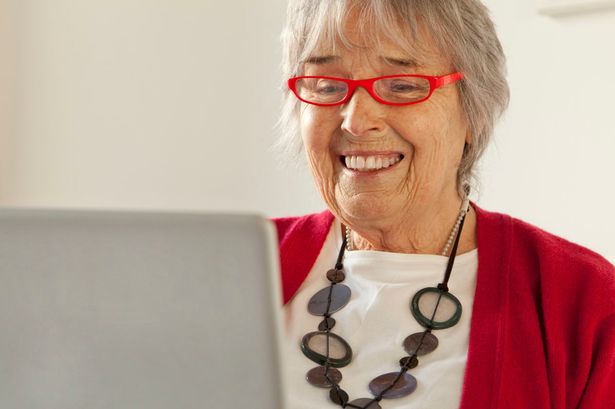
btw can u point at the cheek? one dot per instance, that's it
(433, 129)
(318, 133)
(436, 134)
(309, 125)
(421, 125)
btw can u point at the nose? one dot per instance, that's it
(362, 114)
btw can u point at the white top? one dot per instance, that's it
(375, 323)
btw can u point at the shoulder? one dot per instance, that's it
(560, 270)
(559, 251)
(300, 241)
(541, 247)
(557, 304)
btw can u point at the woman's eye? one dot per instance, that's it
(330, 89)
(404, 87)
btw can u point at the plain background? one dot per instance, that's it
(171, 104)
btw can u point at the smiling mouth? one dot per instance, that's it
(370, 163)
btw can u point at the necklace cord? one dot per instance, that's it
(340, 256)
(451, 260)
(340, 395)
(327, 315)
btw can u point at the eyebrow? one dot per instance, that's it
(402, 62)
(325, 59)
(321, 59)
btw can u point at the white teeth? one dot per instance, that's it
(378, 164)
(365, 163)
(370, 162)
(360, 164)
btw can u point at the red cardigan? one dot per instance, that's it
(543, 321)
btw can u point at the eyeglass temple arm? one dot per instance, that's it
(448, 79)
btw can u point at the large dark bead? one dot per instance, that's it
(314, 346)
(405, 385)
(339, 294)
(447, 306)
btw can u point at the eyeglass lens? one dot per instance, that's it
(398, 90)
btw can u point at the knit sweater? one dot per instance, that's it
(543, 321)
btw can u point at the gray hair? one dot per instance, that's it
(461, 29)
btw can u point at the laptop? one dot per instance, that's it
(114, 310)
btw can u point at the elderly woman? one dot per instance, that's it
(403, 294)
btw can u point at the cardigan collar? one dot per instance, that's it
(301, 240)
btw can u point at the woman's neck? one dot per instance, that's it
(426, 233)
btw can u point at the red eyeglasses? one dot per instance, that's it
(389, 90)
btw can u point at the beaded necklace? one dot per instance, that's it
(330, 351)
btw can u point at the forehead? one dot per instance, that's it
(362, 36)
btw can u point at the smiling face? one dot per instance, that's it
(379, 166)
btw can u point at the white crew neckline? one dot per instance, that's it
(413, 264)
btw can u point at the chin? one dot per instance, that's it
(361, 208)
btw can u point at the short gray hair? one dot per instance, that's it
(461, 29)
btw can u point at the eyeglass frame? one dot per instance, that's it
(435, 82)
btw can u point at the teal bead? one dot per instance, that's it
(425, 320)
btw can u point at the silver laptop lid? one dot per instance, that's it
(138, 310)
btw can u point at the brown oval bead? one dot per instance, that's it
(429, 343)
(338, 396)
(317, 377)
(409, 362)
(327, 323)
(404, 386)
(336, 276)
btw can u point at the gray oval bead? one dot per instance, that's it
(340, 295)
(404, 386)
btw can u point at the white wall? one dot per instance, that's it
(553, 161)
(139, 104)
(8, 42)
(146, 104)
